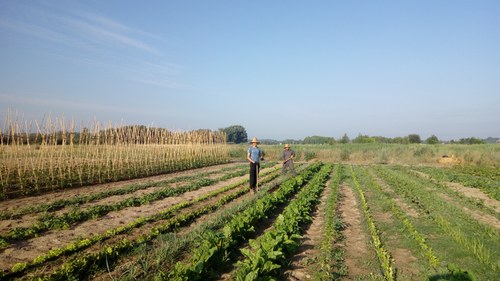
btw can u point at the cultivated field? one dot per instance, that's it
(333, 221)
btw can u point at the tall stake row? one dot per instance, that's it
(57, 155)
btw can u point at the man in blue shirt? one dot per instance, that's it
(254, 155)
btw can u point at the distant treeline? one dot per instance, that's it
(57, 134)
(410, 139)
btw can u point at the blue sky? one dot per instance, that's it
(281, 69)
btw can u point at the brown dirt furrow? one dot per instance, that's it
(470, 192)
(357, 251)
(479, 216)
(476, 194)
(405, 263)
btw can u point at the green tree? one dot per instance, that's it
(471, 140)
(235, 134)
(432, 140)
(364, 139)
(414, 138)
(345, 139)
(318, 140)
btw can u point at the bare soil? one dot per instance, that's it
(478, 215)
(476, 194)
(357, 251)
(470, 192)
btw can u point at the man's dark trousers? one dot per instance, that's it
(254, 169)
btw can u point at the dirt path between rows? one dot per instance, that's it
(355, 243)
(476, 194)
(470, 192)
(309, 243)
(477, 215)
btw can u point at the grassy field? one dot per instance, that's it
(403, 154)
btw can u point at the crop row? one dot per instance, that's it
(331, 264)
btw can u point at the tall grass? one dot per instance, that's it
(373, 153)
(38, 156)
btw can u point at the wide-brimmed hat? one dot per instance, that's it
(287, 145)
(254, 140)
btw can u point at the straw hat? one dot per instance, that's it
(287, 146)
(254, 140)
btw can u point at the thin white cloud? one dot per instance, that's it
(104, 34)
(155, 74)
(113, 25)
(146, 68)
(105, 22)
(162, 83)
(36, 31)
